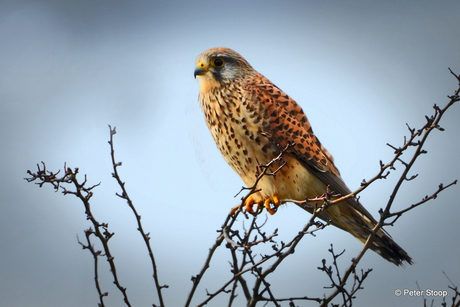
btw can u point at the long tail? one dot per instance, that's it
(352, 217)
(384, 245)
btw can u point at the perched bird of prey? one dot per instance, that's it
(252, 121)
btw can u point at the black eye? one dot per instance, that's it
(218, 62)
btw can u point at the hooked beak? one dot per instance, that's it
(199, 72)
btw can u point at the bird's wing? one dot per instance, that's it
(288, 124)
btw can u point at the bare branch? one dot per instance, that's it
(424, 132)
(95, 254)
(145, 236)
(84, 194)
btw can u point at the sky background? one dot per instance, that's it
(360, 70)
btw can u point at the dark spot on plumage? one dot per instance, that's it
(266, 87)
(300, 146)
(245, 152)
(274, 113)
(278, 128)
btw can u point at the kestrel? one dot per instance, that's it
(252, 121)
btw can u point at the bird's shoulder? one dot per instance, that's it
(286, 123)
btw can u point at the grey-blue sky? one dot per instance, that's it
(67, 69)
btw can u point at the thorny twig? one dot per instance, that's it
(456, 296)
(248, 259)
(250, 265)
(84, 194)
(145, 236)
(95, 254)
(431, 124)
(358, 280)
(229, 221)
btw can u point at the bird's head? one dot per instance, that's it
(220, 65)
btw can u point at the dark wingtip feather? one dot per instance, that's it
(391, 251)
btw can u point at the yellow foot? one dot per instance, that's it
(276, 203)
(248, 206)
(232, 212)
(271, 205)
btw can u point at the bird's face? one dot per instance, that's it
(219, 66)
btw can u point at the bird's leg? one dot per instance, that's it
(271, 205)
(260, 207)
(248, 206)
(249, 202)
(233, 211)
